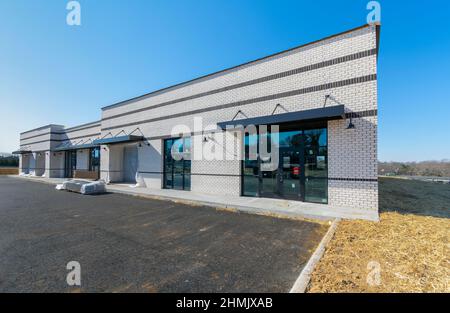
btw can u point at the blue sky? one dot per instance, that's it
(53, 73)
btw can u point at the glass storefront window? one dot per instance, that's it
(94, 161)
(316, 165)
(302, 171)
(177, 170)
(70, 163)
(250, 166)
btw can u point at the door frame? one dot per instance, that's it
(69, 164)
(126, 149)
(172, 172)
(302, 177)
(91, 150)
(279, 193)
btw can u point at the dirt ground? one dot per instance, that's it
(9, 170)
(407, 251)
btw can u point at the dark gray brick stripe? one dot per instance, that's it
(238, 175)
(70, 130)
(59, 140)
(66, 131)
(360, 114)
(45, 134)
(35, 151)
(354, 179)
(222, 175)
(195, 174)
(82, 126)
(84, 136)
(337, 84)
(303, 69)
(48, 140)
(43, 168)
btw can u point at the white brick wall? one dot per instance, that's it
(218, 177)
(54, 164)
(352, 152)
(151, 163)
(361, 195)
(49, 137)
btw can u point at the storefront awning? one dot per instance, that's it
(327, 113)
(119, 139)
(75, 147)
(22, 152)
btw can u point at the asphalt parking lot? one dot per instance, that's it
(130, 244)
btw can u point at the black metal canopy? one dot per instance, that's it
(117, 140)
(327, 113)
(22, 152)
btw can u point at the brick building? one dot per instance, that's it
(321, 95)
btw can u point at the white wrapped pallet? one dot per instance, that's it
(83, 186)
(93, 188)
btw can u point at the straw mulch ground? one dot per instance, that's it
(410, 246)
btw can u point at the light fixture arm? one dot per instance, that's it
(350, 124)
(278, 105)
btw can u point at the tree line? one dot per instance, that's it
(425, 168)
(9, 161)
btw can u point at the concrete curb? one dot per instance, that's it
(217, 205)
(303, 279)
(234, 207)
(274, 212)
(320, 215)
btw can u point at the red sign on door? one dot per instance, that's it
(296, 170)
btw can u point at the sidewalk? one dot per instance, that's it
(266, 206)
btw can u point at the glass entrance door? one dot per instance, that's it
(270, 184)
(283, 181)
(290, 166)
(301, 173)
(177, 170)
(270, 176)
(70, 163)
(94, 161)
(316, 171)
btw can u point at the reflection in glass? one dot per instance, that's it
(177, 164)
(250, 168)
(316, 169)
(289, 168)
(70, 163)
(302, 171)
(94, 161)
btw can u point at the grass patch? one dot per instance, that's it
(411, 244)
(414, 197)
